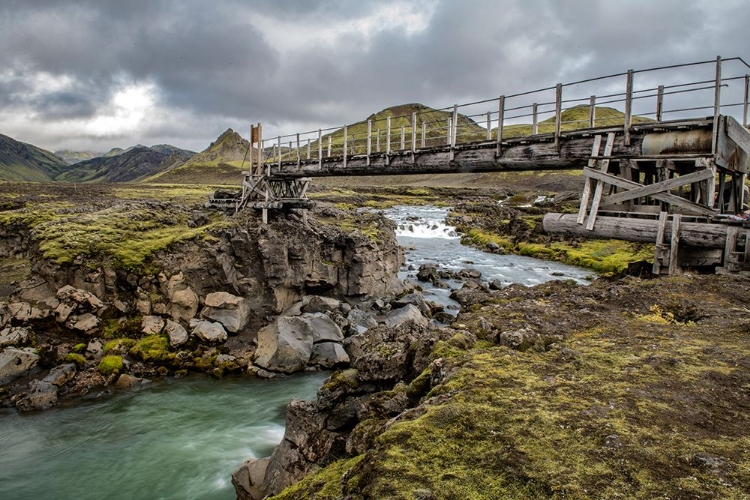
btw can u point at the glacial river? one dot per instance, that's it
(182, 439)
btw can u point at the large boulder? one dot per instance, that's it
(285, 345)
(16, 363)
(208, 331)
(76, 300)
(317, 304)
(42, 396)
(360, 321)
(324, 329)
(248, 479)
(231, 311)
(416, 299)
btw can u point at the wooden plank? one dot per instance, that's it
(600, 185)
(733, 233)
(413, 132)
(695, 234)
(592, 111)
(668, 198)
(500, 120)
(534, 119)
(320, 148)
(587, 182)
(717, 104)
(346, 138)
(558, 114)
(659, 102)
(424, 134)
(737, 133)
(660, 232)
(628, 105)
(659, 187)
(369, 140)
(674, 263)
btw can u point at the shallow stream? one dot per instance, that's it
(182, 439)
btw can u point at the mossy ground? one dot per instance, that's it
(645, 396)
(124, 223)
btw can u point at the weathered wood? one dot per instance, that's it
(500, 120)
(330, 139)
(387, 138)
(369, 140)
(403, 137)
(659, 102)
(320, 147)
(645, 230)
(659, 251)
(413, 132)
(592, 111)
(346, 137)
(737, 133)
(489, 126)
(665, 197)
(745, 101)
(717, 104)
(558, 114)
(674, 264)
(424, 134)
(454, 130)
(659, 187)
(628, 105)
(600, 185)
(587, 183)
(534, 119)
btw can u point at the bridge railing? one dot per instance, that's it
(625, 99)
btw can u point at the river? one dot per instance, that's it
(182, 439)
(173, 439)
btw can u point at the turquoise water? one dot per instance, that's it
(173, 439)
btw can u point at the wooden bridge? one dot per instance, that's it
(678, 152)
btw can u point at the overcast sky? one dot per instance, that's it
(95, 74)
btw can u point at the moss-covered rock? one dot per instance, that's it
(110, 364)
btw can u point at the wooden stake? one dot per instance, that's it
(628, 105)
(534, 120)
(369, 140)
(320, 149)
(717, 106)
(558, 115)
(592, 111)
(346, 137)
(500, 120)
(413, 132)
(674, 265)
(659, 102)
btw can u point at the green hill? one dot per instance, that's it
(132, 165)
(21, 162)
(221, 163)
(72, 157)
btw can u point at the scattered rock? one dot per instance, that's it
(328, 355)
(86, 323)
(16, 363)
(151, 325)
(125, 381)
(61, 375)
(360, 321)
(247, 480)
(285, 345)
(324, 329)
(416, 299)
(408, 314)
(14, 336)
(94, 349)
(177, 333)
(209, 331)
(42, 396)
(316, 304)
(231, 311)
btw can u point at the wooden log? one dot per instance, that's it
(645, 230)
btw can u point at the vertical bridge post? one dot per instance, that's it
(369, 141)
(454, 130)
(717, 106)
(659, 103)
(413, 132)
(558, 115)
(320, 149)
(500, 120)
(628, 105)
(534, 119)
(592, 111)
(346, 133)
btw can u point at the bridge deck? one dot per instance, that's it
(538, 152)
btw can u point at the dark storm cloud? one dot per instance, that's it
(217, 64)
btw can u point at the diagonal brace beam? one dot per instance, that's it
(658, 187)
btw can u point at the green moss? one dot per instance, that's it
(348, 377)
(325, 485)
(154, 348)
(76, 358)
(602, 256)
(79, 348)
(118, 345)
(110, 364)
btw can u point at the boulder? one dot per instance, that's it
(60, 375)
(86, 323)
(209, 331)
(248, 479)
(183, 304)
(16, 363)
(14, 336)
(4, 314)
(360, 321)
(317, 304)
(42, 396)
(143, 306)
(177, 333)
(151, 325)
(324, 329)
(231, 311)
(328, 355)
(85, 301)
(285, 345)
(125, 381)
(20, 311)
(408, 314)
(94, 349)
(416, 299)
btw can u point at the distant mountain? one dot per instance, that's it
(72, 157)
(221, 163)
(113, 152)
(21, 162)
(130, 165)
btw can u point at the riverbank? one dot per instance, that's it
(622, 389)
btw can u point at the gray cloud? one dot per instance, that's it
(209, 65)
